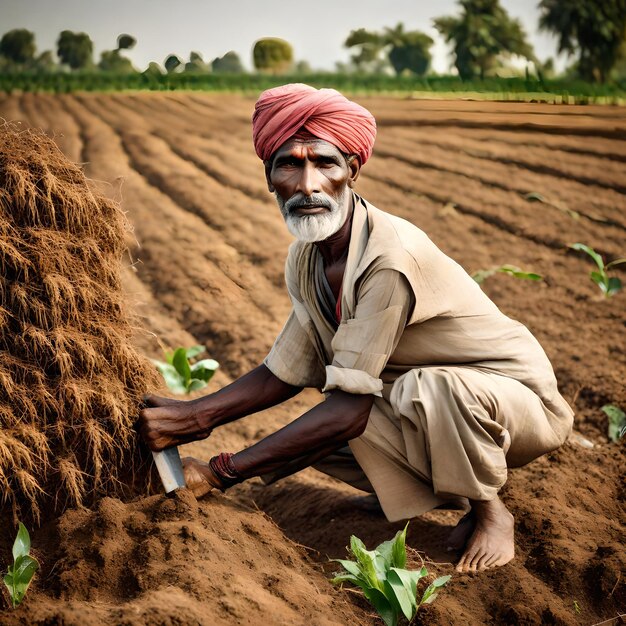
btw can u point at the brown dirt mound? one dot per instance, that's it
(174, 561)
(70, 382)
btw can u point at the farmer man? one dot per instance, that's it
(435, 391)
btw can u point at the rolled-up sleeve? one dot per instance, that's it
(362, 345)
(293, 358)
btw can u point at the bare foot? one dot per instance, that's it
(461, 532)
(491, 542)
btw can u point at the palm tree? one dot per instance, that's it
(483, 31)
(595, 29)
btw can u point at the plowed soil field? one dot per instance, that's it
(205, 265)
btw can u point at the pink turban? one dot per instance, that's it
(281, 112)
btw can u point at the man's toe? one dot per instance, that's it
(481, 564)
(466, 560)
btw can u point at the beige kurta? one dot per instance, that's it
(462, 391)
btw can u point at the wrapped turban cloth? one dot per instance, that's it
(281, 112)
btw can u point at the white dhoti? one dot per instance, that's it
(462, 391)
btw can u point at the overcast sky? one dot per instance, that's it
(316, 30)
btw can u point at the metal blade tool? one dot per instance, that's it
(170, 468)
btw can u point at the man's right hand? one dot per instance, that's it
(164, 423)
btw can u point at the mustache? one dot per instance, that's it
(299, 200)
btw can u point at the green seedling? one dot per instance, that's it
(181, 376)
(609, 285)
(20, 574)
(481, 275)
(617, 421)
(535, 196)
(388, 586)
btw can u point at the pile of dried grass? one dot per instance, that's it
(70, 382)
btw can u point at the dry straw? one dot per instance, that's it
(70, 382)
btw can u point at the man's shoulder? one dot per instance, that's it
(393, 235)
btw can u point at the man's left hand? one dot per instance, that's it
(199, 477)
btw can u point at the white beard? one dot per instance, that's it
(312, 228)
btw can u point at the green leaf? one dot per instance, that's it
(385, 550)
(382, 605)
(518, 273)
(208, 364)
(431, 591)
(614, 285)
(194, 351)
(195, 384)
(403, 593)
(24, 570)
(600, 279)
(180, 362)
(614, 263)
(349, 566)
(399, 549)
(410, 578)
(342, 578)
(617, 421)
(19, 576)
(202, 374)
(376, 597)
(204, 369)
(534, 196)
(481, 275)
(21, 546)
(172, 378)
(367, 563)
(590, 251)
(9, 583)
(394, 551)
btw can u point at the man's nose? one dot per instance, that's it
(308, 183)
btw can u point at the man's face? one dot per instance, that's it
(310, 179)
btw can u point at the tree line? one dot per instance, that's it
(482, 36)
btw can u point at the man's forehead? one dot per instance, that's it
(298, 146)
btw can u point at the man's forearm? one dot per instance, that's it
(255, 391)
(328, 425)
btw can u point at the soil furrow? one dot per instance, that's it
(492, 220)
(603, 149)
(507, 183)
(506, 210)
(242, 220)
(602, 170)
(522, 127)
(604, 174)
(567, 113)
(61, 126)
(149, 157)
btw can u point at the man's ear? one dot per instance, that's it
(354, 165)
(268, 171)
